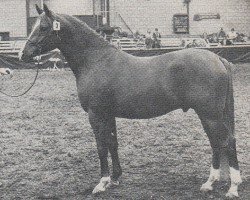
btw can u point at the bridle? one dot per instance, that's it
(39, 47)
(38, 43)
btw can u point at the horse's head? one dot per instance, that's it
(44, 36)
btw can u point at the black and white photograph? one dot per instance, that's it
(124, 99)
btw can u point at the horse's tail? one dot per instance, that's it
(229, 106)
(228, 115)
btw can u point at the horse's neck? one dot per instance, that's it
(81, 47)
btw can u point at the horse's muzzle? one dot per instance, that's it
(27, 55)
(26, 58)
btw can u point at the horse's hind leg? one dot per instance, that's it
(233, 163)
(211, 128)
(221, 138)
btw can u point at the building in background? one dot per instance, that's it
(18, 16)
(171, 17)
(204, 16)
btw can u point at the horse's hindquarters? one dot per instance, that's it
(201, 82)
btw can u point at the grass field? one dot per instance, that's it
(48, 151)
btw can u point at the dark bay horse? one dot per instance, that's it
(112, 83)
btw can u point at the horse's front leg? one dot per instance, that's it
(113, 149)
(103, 130)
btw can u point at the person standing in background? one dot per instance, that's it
(156, 39)
(149, 40)
(231, 36)
(222, 36)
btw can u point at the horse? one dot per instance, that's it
(113, 84)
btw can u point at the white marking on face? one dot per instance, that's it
(38, 21)
(20, 53)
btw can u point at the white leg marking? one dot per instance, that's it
(214, 176)
(235, 181)
(101, 187)
(20, 53)
(104, 183)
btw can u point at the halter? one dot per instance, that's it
(55, 28)
(38, 43)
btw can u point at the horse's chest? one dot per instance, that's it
(92, 94)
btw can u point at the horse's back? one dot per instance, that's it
(183, 79)
(133, 87)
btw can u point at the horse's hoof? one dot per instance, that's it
(206, 188)
(232, 194)
(102, 186)
(98, 189)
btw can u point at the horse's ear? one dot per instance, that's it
(47, 11)
(39, 10)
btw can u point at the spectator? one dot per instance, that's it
(137, 35)
(193, 44)
(115, 33)
(149, 40)
(156, 39)
(103, 34)
(221, 33)
(231, 36)
(205, 37)
(221, 36)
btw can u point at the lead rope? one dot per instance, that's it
(33, 83)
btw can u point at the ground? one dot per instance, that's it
(48, 151)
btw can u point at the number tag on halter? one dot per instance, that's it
(56, 25)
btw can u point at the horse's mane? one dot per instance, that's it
(78, 27)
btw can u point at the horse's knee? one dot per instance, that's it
(232, 143)
(113, 143)
(102, 152)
